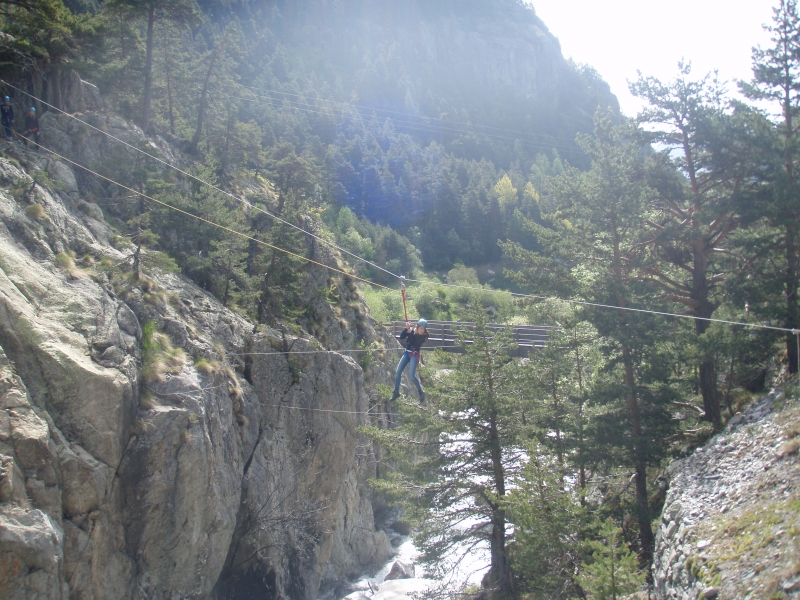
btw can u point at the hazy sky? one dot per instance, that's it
(617, 37)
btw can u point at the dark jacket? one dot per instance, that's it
(415, 340)
(31, 123)
(7, 112)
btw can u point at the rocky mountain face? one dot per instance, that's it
(731, 521)
(464, 61)
(216, 465)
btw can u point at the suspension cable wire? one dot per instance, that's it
(609, 306)
(209, 222)
(342, 352)
(441, 130)
(304, 97)
(202, 181)
(367, 413)
(419, 281)
(189, 393)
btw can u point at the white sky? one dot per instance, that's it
(617, 37)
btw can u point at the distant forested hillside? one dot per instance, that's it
(407, 112)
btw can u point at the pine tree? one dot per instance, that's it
(776, 77)
(591, 252)
(691, 220)
(177, 11)
(548, 521)
(279, 273)
(613, 572)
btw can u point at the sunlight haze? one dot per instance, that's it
(619, 37)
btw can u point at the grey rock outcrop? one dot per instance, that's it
(730, 520)
(401, 570)
(239, 471)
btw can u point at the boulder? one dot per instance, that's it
(401, 570)
(31, 559)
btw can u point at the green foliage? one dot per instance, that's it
(35, 212)
(506, 193)
(453, 463)
(705, 224)
(613, 572)
(548, 523)
(376, 243)
(159, 356)
(41, 34)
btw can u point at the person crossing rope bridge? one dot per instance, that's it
(412, 356)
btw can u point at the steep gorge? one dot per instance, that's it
(239, 469)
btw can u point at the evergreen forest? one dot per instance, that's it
(662, 249)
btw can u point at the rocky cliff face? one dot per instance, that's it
(217, 465)
(494, 63)
(731, 521)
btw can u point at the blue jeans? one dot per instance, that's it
(398, 375)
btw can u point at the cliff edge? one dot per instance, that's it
(154, 444)
(731, 521)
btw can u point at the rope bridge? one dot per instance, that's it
(442, 334)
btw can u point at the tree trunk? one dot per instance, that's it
(642, 501)
(639, 457)
(581, 441)
(264, 299)
(169, 87)
(137, 254)
(203, 95)
(37, 84)
(500, 578)
(148, 68)
(792, 277)
(557, 423)
(708, 370)
(54, 88)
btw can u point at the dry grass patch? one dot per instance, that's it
(209, 367)
(35, 212)
(148, 401)
(789, 448)
(66, 262)
(159, 356)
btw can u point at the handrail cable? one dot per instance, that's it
(208, 221)
(188, 394)
(199, 180)
(343, 352)
(421, 282)
(609, 306)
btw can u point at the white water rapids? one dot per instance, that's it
(469, 571)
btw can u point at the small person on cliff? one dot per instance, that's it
(415, 338)
(7, 112)
(31, 128)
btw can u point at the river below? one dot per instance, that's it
(469, 571)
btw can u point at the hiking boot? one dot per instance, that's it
(422, 398)
(395, 396)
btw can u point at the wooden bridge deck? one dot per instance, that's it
(442, 334)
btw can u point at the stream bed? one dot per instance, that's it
(470, 570)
